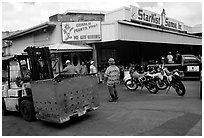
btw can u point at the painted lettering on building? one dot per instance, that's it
(173, 24)
(141, 15)
(79, 31)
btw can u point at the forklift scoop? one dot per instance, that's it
(57, 100)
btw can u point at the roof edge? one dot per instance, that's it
(29, 30)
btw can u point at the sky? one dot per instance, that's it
(21, 15)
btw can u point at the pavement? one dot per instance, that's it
(137, 113)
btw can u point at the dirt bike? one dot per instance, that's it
(161, 78)
(134, 79)
(174, 80)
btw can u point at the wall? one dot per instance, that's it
(20, 43)
(118, 14)
(109, 31)
(55, 34)
(41, 37)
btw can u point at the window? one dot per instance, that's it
(191, 59)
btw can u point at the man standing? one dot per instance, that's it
(170, 58)
(71, 69)
(83, 69)
(93, 69)
(177, 57)
(112, 75)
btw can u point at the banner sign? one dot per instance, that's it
(138, 14)
(79, 31)
(141, 15)
(173, 24)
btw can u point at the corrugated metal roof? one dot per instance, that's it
(84, 12)
(63, 47)
(29, 30)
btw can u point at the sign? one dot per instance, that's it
(79, 31)
(173, 24)
(193, 68)
(141, 15)
(138, 14)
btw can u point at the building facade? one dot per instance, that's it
(53, 34)
(128, 34)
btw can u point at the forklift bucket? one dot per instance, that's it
(56, 100)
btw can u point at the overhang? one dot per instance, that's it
(63, 47)
(157, 29)
(12, 57)
(129, 31)
(30, 30)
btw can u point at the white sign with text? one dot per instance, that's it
(138, 14)
(173, 24)
(79, 31)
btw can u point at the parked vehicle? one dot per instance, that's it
(174, 81)
(160, 80)
(38, 94)
(134, 79)
(190, 65)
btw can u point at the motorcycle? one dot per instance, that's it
(133, 79)
(174, 80)
(160, 78)
(165, 79)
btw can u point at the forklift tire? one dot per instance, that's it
(4, 111)
(27, 110)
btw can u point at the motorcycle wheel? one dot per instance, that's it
(180, 88)
(131, 84)
(152, 87)
(161, 84)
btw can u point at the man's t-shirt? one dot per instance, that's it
(93, 69)
(113, 75)
(170, 58)
(70, 69)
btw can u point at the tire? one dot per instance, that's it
(152, 87)
(161, 84)
(180, 88)
(131, 84)
(27, 110)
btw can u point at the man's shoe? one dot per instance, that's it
(116, 98)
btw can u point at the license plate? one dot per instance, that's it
(193, 68)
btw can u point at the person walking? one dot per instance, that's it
(112, 76)
(71, 69)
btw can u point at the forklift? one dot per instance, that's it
(30, 88)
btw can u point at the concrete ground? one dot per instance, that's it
(137, 113)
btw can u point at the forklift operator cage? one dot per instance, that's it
(56, 100)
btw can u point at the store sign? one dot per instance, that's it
(138, 14)
(79, 31)
(141, 15)
(173, 24)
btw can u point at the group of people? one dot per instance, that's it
(112, 75)
(83, 70)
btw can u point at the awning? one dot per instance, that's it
(63, 47)
(7, 58)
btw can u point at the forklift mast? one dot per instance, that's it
(40, 63)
